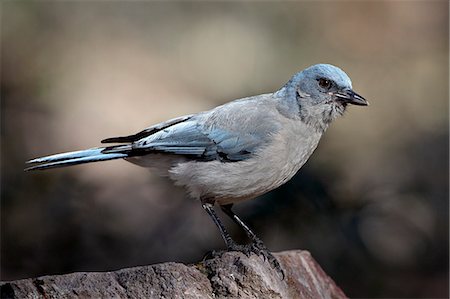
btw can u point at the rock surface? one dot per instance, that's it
(231, 275)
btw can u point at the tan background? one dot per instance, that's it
(371, 204)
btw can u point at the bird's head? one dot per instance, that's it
(322, 93)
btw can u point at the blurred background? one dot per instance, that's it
(371, 205)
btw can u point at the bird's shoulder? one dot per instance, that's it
(246, 114)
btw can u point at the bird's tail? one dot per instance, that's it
(74, 158)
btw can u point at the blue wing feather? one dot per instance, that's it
(232, 132)
(192, 139)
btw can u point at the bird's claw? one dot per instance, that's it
(260, 249)
(257, 247)
(209, 255)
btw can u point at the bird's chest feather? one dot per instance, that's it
(271, 166)
(288, 152)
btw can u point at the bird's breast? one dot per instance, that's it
(272, 165)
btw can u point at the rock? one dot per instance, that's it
(230, 275)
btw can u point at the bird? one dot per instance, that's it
(236, 151)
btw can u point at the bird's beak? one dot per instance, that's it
(351, 97)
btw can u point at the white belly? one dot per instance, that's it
(271, 167)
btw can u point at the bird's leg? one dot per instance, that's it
(252, 236)
(208, 207)
(258, 246)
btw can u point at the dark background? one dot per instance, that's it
(371, 204)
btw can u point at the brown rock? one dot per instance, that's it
(232, 275)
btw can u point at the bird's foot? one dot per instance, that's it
(213, 254)
(245, 249)
(231, 246)
(258, 247)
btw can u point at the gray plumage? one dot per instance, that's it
(238, 150)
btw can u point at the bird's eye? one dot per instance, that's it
(324, 83)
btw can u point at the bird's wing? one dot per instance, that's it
(147, 131)
(193, 140)
(231, 132)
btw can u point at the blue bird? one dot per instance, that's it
(236, 151)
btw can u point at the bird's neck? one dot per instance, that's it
(290, 106)
(315, 118)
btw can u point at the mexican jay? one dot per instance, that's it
(236, 151)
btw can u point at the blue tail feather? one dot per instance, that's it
(73, 158)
